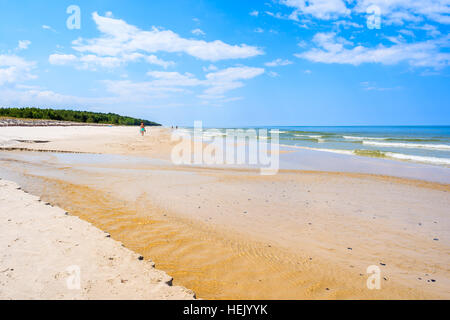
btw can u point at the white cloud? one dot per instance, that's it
(254, 13)
(211, 67)
(163, 83)
(228, 79)
(89, 61)
(259, 30)
(331, 49)
(397, 40)
(83, 62)
(432, 31)
(173, 79)
(398, 11)
(217, 101)
(62, 59)
(407, 32)
(152, 59)
(273, 74)
(216, 83)
(46, 27)
(15, 69)
(234, 73)
(28, 95)
(139, 91)
(23, 44)
(198, 32)
(92, 61)
(118, 37)
(278, 62)
(370, 86)
(347, 24)
(392, 11)
(24, 96)
(277, 15)
(321, 9)
(302, 44)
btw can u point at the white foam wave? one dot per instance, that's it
(276, 131)
(408, 145)
(392, 155)
(214, 134)
(432, 160)
(308, 135)
(362, 138)
(348, 152)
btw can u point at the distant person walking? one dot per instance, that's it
(142, 129)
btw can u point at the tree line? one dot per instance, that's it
(74, 116)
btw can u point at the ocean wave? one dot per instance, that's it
(444, 147)
(432, 160)
(413, 139)
(213, 134)
(402, 156)
(370, 153)
(362, 138)
(308, 135)
(391, 139)
(311, 133)
(381, 154)
(276, 131)
(340, 151)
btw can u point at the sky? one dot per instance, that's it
(231, 63)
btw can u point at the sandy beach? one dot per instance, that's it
(221, 232)
(44, 250)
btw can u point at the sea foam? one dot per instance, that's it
(362, 138)
(432, 160)
(444, 147)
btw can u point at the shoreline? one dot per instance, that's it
(157, 144)
(43, 247)
(405, 180)
(382, 155)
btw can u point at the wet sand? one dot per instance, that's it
(231, 233)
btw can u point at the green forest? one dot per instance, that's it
(71, 115)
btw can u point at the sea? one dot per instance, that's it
(419, 144)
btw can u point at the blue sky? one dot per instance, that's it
(232, 63)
